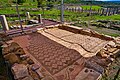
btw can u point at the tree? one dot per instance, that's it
(41, 3)
(20, 1)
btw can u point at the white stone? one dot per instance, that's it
(34, 21)
(4, 22)
(112, 44)
(35, 67)
(27, 15)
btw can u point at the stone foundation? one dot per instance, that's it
(60, 52)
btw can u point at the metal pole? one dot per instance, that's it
(62, 11)
(19, 17)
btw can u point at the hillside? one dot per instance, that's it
(10, 2)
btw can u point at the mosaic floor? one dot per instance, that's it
(65, 55)
(57, 50)
(52, 55)
(90, 44)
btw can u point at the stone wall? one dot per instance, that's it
(22, 66)
(85, 32)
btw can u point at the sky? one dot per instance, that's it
(101, 0)
(107, 0)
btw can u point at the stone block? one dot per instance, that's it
(12, 58)
(33, 74)
(24, 57)
(5, 50)
(19, 51)
(85, 32)
(35, 67)
(93, 65)
(30, 61)
(20, 71)
(40, 74)
(118, 46)
(111, 50)
(88, 74)
(103, 53)
(95, 34)
(24, 62)
(28, 78)
(14, 46)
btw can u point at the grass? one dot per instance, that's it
(113, 34)
(112, 17)
(72, 15)
(8, 11)
(55, 14)
(93, 7)
(101, 30)
(98, 17)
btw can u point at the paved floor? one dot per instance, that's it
(50, 50)
(89, 43)
(45, 21)
(87, 46)
(52, 55)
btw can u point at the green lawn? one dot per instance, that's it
(98, 17)
(93, 7)
(72, 16)
(112, 17)
(55, 14)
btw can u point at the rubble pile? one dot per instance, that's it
(115, 25)
(109, 50)
(104, 58)
(22, 66)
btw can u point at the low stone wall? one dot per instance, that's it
(85, 32)
(22, 66)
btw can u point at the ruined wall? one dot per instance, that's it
(76, 30)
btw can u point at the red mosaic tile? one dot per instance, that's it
(52, 55)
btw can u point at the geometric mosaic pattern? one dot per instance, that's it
(90, 44)
(52, 55)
